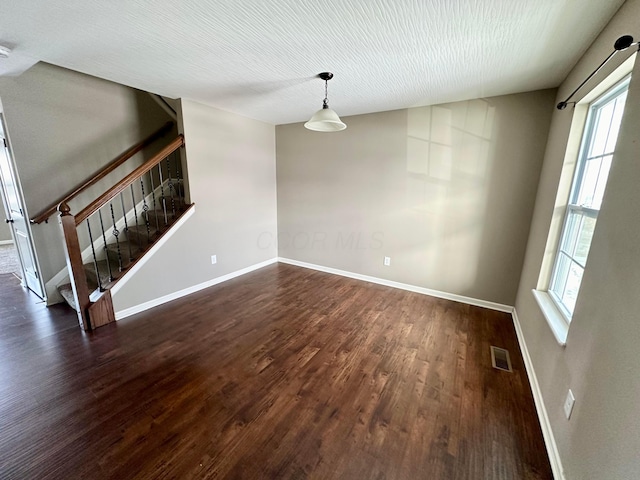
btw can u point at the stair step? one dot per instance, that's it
(125, 252)
(159, 221)
(103, 268)
(159, 217)
(137, 241)
(139, 236)
(66, 291)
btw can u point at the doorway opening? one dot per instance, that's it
(9, 260)
(17, 252)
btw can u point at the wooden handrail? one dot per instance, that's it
(128, 180)
(44, 215)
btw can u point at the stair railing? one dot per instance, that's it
(117, 226)
(44, 215)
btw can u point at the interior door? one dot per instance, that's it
(16, 217)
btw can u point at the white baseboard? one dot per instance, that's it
(547, 432)
(187, 291)
(6, 242)
(402, 286)
(181, 293)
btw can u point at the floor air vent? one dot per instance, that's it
(500, 359)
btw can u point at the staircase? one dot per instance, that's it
(109, 235)
(118, 255)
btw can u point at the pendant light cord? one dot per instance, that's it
(325, 102)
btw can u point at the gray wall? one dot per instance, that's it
(446, 191)
(600, 362)
(232, 181)
(63, 127)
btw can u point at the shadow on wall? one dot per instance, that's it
(449, 156)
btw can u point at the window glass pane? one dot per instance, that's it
(601, 129)
(615, 123)
(561, 274)
(587, 187)
(572, 287)
(596, 201)
(587, 226)
(570, 234)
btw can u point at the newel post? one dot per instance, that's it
(75, 265)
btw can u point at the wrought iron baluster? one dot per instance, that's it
(164, 201)
(135, 213)
(135, 210)
(95, 257)
(126, 227)
(153, 196)
(179, 178)
(171, 188)
(116, 233)
(104, 238)
(145, 209)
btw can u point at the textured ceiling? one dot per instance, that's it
(258, 58)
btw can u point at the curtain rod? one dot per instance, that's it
(621, 43)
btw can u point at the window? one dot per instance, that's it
(587, 190)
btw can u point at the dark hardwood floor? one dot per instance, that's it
(282, 373)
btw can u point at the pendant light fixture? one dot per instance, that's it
(325, 119)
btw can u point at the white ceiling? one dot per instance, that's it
(258, 58)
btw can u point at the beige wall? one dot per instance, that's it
(446, 191)
(600, 362)
(232, 181)
(63, 127)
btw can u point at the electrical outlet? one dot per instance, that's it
(214, 259)
(387, 261)
(568, 404)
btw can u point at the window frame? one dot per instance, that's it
(572, 206)
(555, 320)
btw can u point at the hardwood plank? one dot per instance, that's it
(281, 373)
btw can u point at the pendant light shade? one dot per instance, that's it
(325, 119)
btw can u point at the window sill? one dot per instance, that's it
(555, 319)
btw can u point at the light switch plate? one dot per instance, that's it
(214, 259)
(568, 404)
(387, 261)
